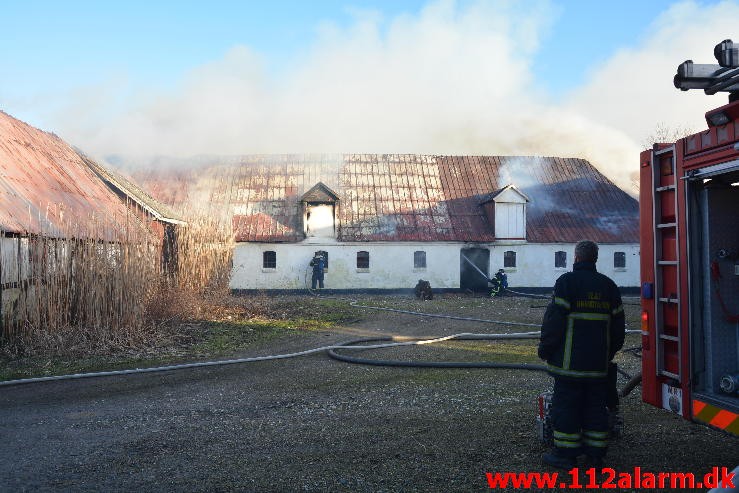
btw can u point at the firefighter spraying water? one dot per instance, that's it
(499, 282)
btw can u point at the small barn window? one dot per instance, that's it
(619, 260)
(269, 260)
(509, 259)
(560, 260)
(419, 259)
(362, 260)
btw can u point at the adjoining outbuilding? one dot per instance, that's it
(66, 224)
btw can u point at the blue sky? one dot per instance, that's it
(158, 77)
(51, 46)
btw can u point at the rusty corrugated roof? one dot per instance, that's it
(405, 197)
(126, 187)
(46, 188)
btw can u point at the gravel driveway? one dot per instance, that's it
(315, 424)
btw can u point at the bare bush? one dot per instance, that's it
(664, 134)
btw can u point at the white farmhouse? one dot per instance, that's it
(386, 221)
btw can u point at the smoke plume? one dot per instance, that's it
(453, 79)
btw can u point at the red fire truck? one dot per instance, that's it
(689, 198)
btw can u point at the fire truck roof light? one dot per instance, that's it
(727, 53)
(717, 118)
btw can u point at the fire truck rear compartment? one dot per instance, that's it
(713, 255)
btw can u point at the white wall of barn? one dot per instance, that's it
(14, 267)
(391, 265)
(14, 258)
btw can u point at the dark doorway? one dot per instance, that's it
(469, 277)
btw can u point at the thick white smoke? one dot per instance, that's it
(451, 80)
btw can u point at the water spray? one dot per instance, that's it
(476, 268)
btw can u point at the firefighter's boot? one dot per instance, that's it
(556, 459)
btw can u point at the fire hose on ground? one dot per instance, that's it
(388, 342)
(397, 341)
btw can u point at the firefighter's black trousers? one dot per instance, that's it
(579, 416)
(316, 277)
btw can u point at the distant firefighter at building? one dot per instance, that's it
(319, 264)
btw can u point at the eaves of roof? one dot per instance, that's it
(160, 211)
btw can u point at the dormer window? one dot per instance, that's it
(320, 206)
(505, 210)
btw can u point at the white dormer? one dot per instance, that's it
(320, 205)
(506, 212)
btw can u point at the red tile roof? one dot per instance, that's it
(391, 197)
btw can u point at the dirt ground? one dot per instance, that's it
(315, 424)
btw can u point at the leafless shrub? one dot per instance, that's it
(665, 134)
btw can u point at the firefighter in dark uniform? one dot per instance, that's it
(318, 263)
(502, 279)
(582, 330)
(499, 283)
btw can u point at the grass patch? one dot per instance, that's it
(219, 338)
(189, 341)
(318, 312)
(508, 352)
(215, 340)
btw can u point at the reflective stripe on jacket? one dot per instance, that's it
(583, 326)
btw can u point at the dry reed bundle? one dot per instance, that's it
(97, 280)
(206, 243)
(205, 248)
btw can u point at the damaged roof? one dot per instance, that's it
(404, 197)
(46, 188)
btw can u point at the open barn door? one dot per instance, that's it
(473, 269)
